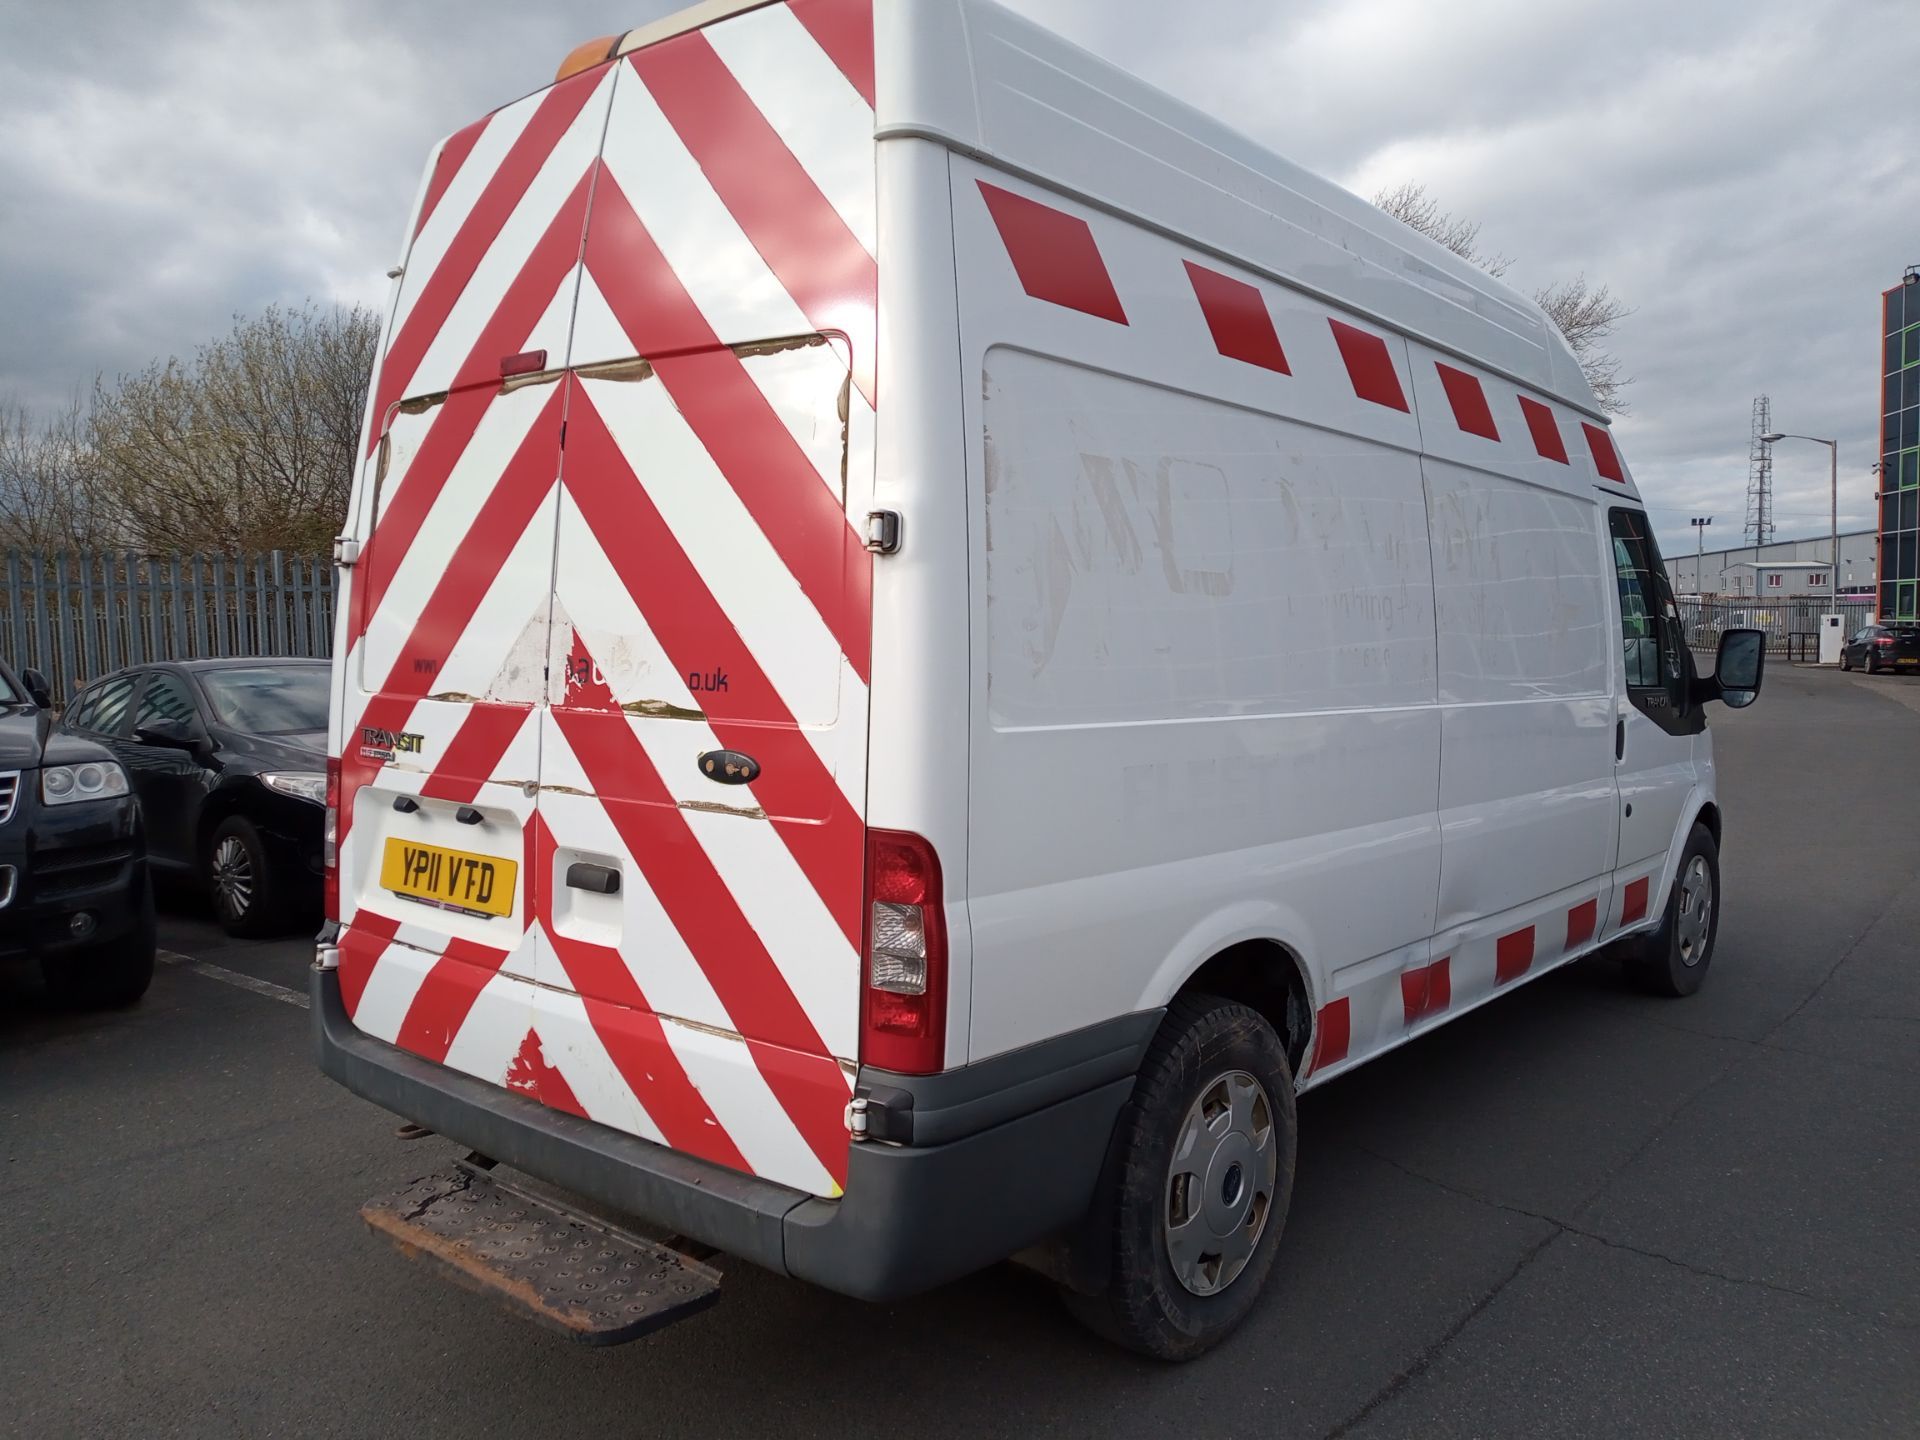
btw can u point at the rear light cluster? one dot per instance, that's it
(903, 1017)
(1884, 641)
(330, 844)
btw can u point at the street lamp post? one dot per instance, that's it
(1833, 462)
(1699, 523)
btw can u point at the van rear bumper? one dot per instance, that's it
(1003, 1154)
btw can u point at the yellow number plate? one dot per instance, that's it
(449, 879)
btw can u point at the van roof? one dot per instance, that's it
(1031, 102)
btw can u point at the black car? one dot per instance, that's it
(228, 758)
(1874, 648)
(74, 890)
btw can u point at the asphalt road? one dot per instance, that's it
(1575, 1212)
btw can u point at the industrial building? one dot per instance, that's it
(1781, 570)
(1900, 448)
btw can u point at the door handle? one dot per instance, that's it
(600, 879)
(1620, 738)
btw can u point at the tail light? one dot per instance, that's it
(330, 844)
(903, 1021)
(1883, 641)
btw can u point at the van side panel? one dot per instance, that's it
(1527, 798)
(1204, 666)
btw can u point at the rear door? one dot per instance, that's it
(700, 830)
(618, 656)
(444, 626)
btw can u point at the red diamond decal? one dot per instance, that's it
(1546, 431)
(1369, 365)
(1054, 254)
(1237, 315)
(1469, 402)
(1605, 458)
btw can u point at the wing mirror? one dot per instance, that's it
(173, 734)
(38, 690)
(1739, 667)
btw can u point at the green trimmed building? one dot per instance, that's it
(1900, 450)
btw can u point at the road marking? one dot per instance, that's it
(234, 977)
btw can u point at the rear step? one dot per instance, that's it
(562, 1270)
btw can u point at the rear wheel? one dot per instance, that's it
(1198, 1183)
(1673, 960)
(111, 975)
(240, 880)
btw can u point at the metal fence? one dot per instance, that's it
(1791, 626)
(75, 616)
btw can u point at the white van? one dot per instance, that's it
(927, 636)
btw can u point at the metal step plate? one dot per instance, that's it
(565, 1271)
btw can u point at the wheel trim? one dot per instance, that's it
(233, 878)
(1694, 922)
(1221, 1182)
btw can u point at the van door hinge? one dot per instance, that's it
(345, 551)
(883, 531)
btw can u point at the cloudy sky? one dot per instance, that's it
(1744, 173)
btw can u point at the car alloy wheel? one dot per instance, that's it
(233, 878)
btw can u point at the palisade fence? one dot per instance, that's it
(76, 616)
(1792, 626)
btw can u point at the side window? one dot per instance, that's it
(77, 713)
(1658, 669)
(105, 711)
(165, 698)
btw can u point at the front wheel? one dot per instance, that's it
(1198, 1183)
(1673, 960)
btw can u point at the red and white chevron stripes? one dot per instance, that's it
(573, 583)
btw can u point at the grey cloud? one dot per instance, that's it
(1740, 173)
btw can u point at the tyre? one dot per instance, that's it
(1846, 660)
(1866, 664)
(241, 881)
(1197, 1184)
(107, 976)
(1673, 960)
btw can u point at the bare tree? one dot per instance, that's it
(248, 446)
(1410, 204)
(1586, 314)
(50, 493)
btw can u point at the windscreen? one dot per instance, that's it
(269, 700)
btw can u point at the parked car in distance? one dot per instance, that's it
(227, 758)
(74, 891)
(1874, 648)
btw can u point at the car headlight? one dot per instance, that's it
(301, 784)
(70, 784)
